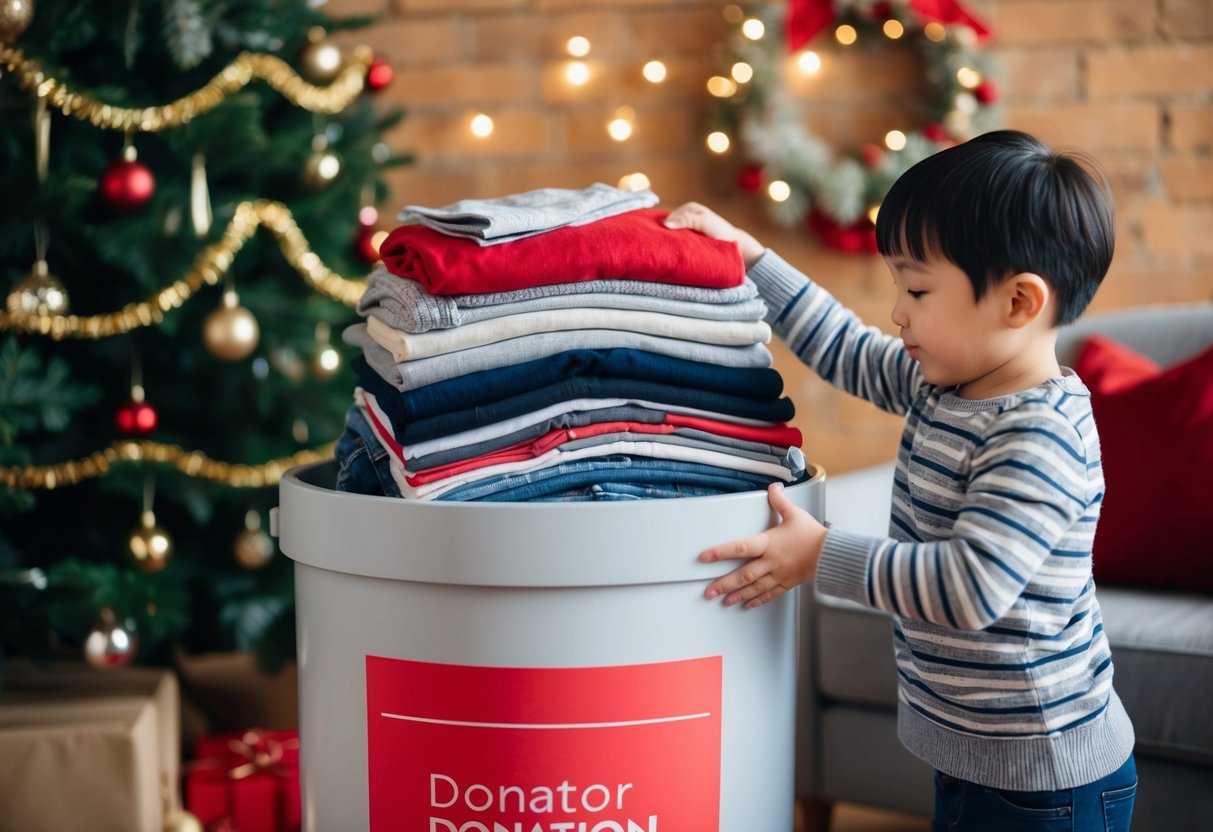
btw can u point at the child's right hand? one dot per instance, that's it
(700, 218)
(779, 559)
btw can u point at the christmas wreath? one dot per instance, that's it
(804, 181)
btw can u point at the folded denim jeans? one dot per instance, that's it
(362, 461)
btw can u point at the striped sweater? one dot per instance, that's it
(1005, 674)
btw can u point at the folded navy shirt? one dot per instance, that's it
(408, 430)
(486, 386)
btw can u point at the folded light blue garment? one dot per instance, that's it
(514, 216)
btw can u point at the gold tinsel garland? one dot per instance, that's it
(208, 269)
(231, 79)
(190, 463)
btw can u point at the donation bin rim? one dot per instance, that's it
(533, 544)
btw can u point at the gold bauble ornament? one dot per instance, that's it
(38, 293)
(15, 16)
(321, 169)
(110, 643)
(320, 61)
(179, 820)
(151, 547)
(231, 332)
(253, 549)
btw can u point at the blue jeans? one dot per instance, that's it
(639, 471)
(1103, 806)
(362, 461)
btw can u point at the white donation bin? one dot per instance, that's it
(536, 667)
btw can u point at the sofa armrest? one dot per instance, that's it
(861, 501)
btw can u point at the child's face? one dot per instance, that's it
(954, 338)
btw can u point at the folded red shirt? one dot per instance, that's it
(634, 245)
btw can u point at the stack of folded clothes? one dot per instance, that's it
(562, 345)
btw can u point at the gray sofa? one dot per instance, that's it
(1162, 644)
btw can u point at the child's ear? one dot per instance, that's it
(1029, 295)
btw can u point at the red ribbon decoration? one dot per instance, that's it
(808, 17)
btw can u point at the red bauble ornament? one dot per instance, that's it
(379, 75)
(364, 244)
(986, 92)
(936, 132)
(750, 179)
(136, 419)
(871, 155)
(127, 185)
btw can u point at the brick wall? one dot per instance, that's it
(1130, 81)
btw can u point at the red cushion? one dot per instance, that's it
(1156, 431)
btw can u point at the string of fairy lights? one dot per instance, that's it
(797, 172)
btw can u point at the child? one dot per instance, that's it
(1005, 675)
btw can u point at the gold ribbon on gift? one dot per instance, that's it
(260, 753)
(231, 79)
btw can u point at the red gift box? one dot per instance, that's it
(246, 782)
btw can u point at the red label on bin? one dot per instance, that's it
(631, 748)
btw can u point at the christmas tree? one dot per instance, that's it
(187, 197)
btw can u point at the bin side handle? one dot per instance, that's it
(274, 522)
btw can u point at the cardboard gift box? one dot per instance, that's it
(85, 748)
(250, 779)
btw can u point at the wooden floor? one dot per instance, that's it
(851, 818)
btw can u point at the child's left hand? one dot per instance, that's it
(781, 558)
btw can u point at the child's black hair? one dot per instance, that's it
(1001, 204)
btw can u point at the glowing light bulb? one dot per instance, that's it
(654, 72)
(779, 190)
(753, 29)
(482, 125)
(577, 73)
(873, 212)
(721, 87)
(742, 72)
(634, 182)
(893, 29)
(968, 77)
(329, 359)
(578, 46)
(935, 32)
(846, 34)
(718, 142)
(733, 13)
(895, 140)
(620, 129)
(809, 62)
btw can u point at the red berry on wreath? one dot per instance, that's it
(751, 179)
(936, 132)
(127, 184)
(379, 75)
(986, 92)
(871, 155)
(136, 418)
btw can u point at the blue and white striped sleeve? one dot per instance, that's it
(1027, 495)
(832, 340)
